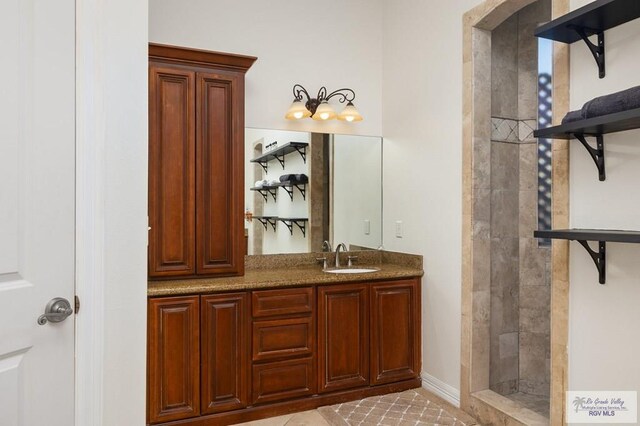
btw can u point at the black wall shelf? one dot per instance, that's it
(602, 236)
(280, 153)
(267, 220)
(266, 190)
(594, 127)
(602, 125)
(287, 186)
(592, 19)
(300, 222)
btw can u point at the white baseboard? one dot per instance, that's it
(441, 389)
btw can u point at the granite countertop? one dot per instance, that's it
(263, 272)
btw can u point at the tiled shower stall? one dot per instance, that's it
(520, 182)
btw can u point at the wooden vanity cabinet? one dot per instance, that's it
(196, 162)
(343, 336)
(395, 331)
(224, 352)
(283, 344)
(233, 357)
(173, 371)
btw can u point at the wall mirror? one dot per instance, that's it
(304, 188)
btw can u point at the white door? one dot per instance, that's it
(37, 179)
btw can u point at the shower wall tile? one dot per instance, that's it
(509, 346)
(505, 166)
(528, 213)
(482, 264)
(507, 387)
(532, 263)
(528, 20)
(535, 297)
(534, 351)
(482, 214)
(509, 369)
(504, 130)
(529, 169)
(504, 69)
(511, 308)
(525, 130)
(512, 131)
(504, 262)
(482, 163)
(534, 386)
(504, 213)
(534, 320)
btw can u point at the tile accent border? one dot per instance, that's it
(512, 131)
(475, 398)
(441, 389)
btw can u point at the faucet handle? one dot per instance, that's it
(323, 260)
(351, 259)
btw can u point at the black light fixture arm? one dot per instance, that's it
(346, 95)
(298, 90)
(300, 93)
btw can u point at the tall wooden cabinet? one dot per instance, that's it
(196, 162)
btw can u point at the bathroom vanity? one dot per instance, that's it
(281, 339)
(234, 338)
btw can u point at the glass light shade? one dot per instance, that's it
(350, 114)
(324, 112)
(297, 110)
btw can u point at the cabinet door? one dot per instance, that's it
(172, 168)
(224, 351)
(395, 331)
(343, 340)
(174, 363)
(220, 173)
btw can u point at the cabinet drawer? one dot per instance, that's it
(282, 338)
(282, 380)
(268, 303)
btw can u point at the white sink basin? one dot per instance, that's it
(352, 270)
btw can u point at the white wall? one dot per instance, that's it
(422, 130)
(604, 320)
(334, 43)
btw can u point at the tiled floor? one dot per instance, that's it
(314, 418)
(408, 408)
(311, 418)
(539, 404)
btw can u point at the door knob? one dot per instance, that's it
(57, 310)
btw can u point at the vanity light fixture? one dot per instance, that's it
(319, 108)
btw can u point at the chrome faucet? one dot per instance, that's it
(326, 245)
(344, 248)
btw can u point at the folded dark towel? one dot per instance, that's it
(610, 104)
(573, 116)
(294, 179)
